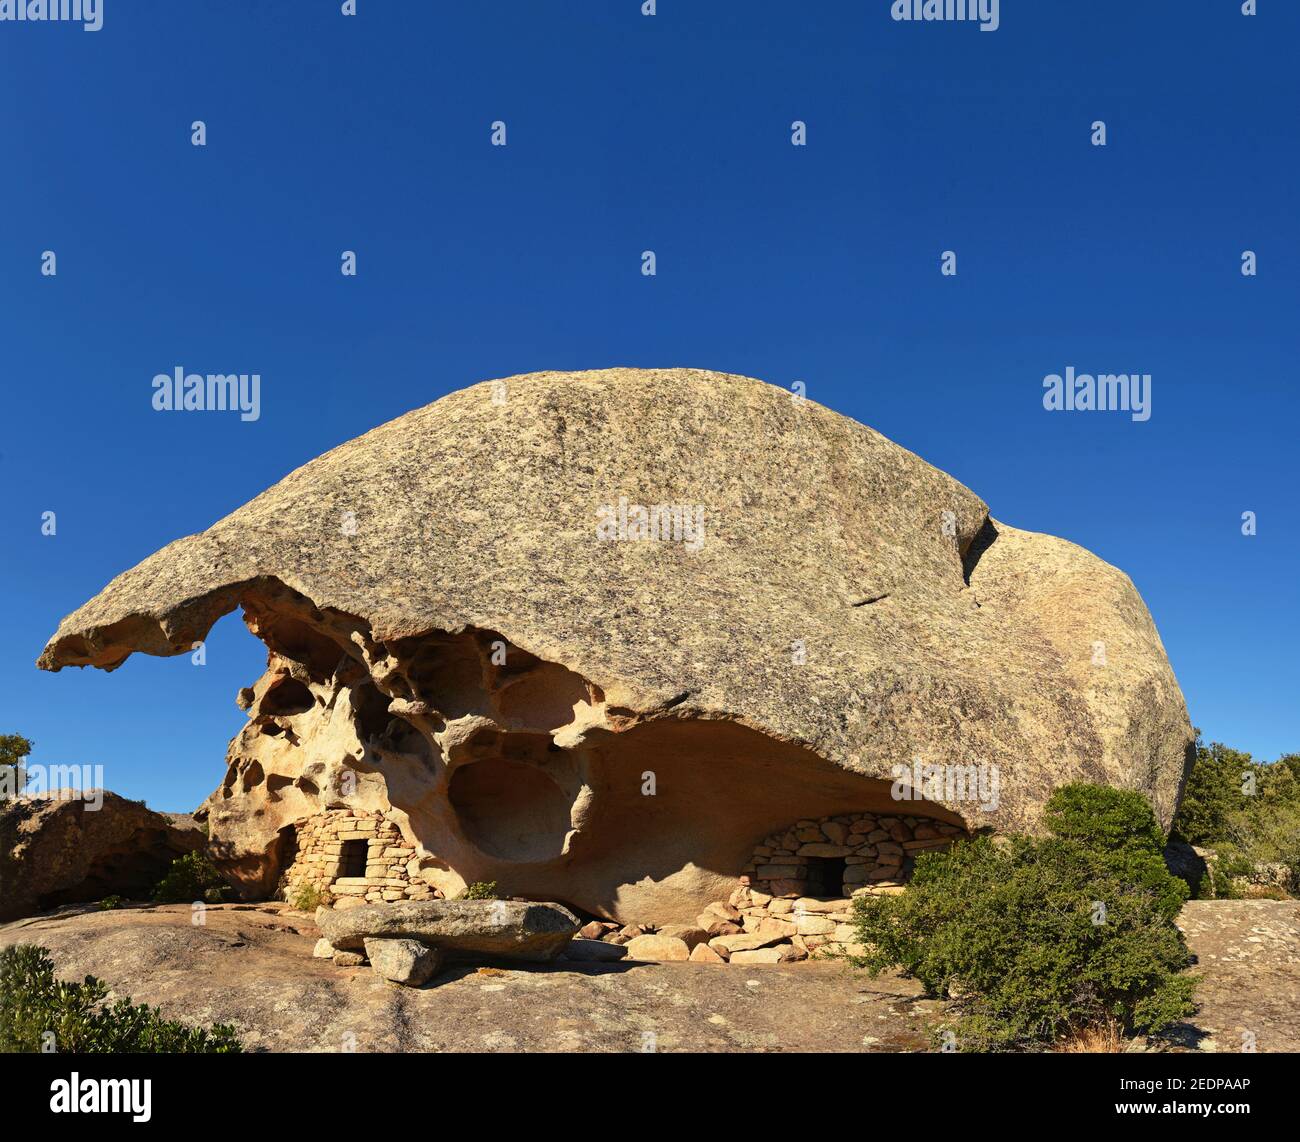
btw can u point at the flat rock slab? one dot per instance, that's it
(244, 968)
(1248, 955)
(254, 968)
(459, 929)
(594, 951)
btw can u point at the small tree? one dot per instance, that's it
(13, 749)
(1213, 793)
(1248, 812)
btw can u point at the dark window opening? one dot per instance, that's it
(352, 860)
(826, 876)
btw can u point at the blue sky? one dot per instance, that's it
(625, 133)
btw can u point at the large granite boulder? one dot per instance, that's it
(458, 929)
(56, 850)
(476, 630)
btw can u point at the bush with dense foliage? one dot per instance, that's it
(480, 890)
(1042, 939)
(1103, 818)
(306, 897)
(35, 1005)
(191, 878)
(1246, 811)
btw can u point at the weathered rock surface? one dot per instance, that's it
(1247, 953)
(252, 967)
(455, 646)
(459, 929)
(406, 962)
(55, 851)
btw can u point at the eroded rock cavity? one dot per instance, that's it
(411, 768)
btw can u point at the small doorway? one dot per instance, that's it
(826, 876)
(352, 860)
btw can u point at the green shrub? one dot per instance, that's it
(34, 1004)
(480, 890)
(192, 877)
(1212, 794)
(1246, 811)
(111, 902)
(307, 897)
(1103, 818)
(1042, 938)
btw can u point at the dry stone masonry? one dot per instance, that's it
(843, 855)
(354, 853)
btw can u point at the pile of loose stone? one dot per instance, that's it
(771, 917)
(725, 933)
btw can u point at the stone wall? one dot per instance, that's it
(783, 909)
(875, 851)
(391, 871)
(779, 909)
(774, 899)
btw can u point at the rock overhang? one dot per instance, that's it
(848, 600)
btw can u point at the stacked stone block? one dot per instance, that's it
(772, 900)
(391, 873)
(876, 851)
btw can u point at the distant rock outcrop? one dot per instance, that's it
(594, 635)
(65, 851)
